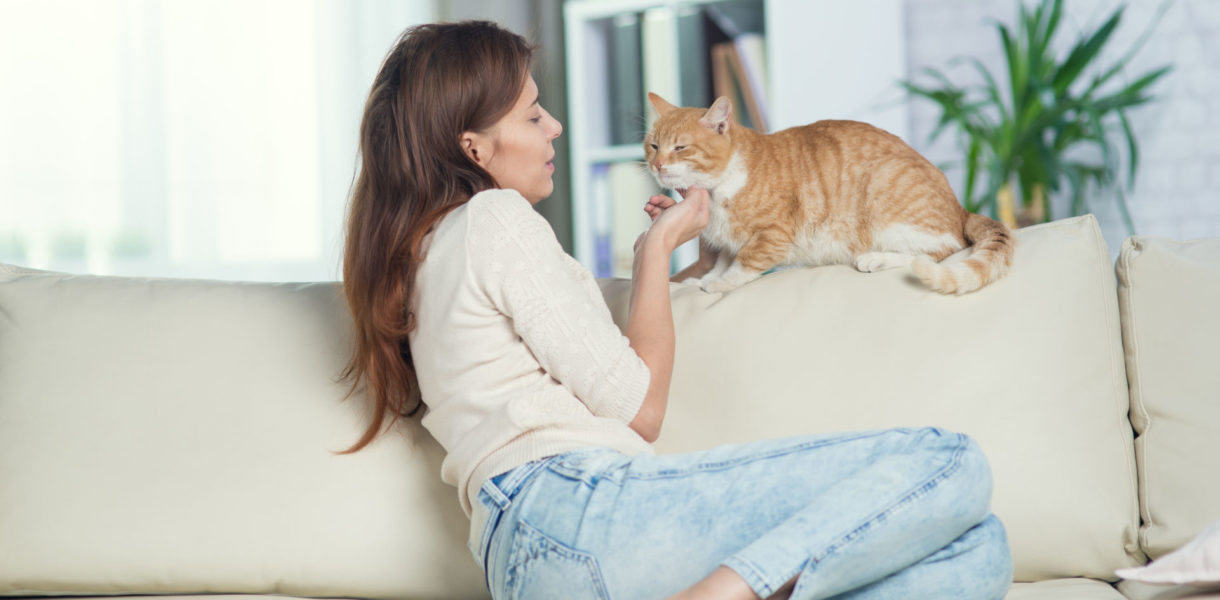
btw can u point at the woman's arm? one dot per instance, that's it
(707, 257)
(650, 322)
(699, 268)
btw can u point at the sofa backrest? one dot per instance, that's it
(173, 436)
(1031, 366)
(1169, 293)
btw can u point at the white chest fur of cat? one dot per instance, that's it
(833, 192)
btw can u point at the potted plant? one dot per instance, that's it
(1035, 138)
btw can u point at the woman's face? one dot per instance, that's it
(517, 150)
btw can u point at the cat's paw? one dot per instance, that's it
(871, 262)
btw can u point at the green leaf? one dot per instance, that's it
(1050, 24)
(1077, 184)
(1016, 69)
(1131, 52)
(972, 160)
(1025, 138)
(1122, 208)
(1084, 52)
(1133, 152)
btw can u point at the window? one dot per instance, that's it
(187, 138)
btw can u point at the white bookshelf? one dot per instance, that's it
(825, 59)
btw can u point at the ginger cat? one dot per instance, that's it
(834, 192)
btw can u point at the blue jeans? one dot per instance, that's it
(898, 513)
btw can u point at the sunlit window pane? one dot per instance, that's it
(198, 138)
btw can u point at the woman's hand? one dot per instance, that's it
(676, 222)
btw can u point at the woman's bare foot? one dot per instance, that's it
(723, 584)
(785, 591)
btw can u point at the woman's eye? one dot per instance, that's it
(536, 119)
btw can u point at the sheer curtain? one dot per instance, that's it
(187, 138)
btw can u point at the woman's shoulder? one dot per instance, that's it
(502, 223)
(500, 202)
(504, 208)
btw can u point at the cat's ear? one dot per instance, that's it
(660, 104)
(718, 116)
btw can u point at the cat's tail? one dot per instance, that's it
(989, 259)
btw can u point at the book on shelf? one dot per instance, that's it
(619, 192)
(736, 17)
(596, 42)
(630, 187)
(627, 87)
(739, 64)
(732, 79)
(661, 75)
(600, 219)
(752, 58)
(693, 49)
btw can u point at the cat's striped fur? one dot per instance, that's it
(833, 192)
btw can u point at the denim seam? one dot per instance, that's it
(517, 480)
(498, 498)
(524, 528)
(578, 475)
(751, 573)
(489, 531)
(741, 460)
(905, 499)
(520, 477)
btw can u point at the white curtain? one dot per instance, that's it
(187, 138)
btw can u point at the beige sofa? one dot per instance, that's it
(172, 437)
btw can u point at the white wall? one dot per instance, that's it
(1179, 134)
(831, 59)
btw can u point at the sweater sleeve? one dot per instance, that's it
(554, 304)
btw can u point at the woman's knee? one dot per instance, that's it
(995, 558)
(965, 468)
(975, 464)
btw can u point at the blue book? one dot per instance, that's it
(627, 89)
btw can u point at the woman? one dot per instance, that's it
(464, 302)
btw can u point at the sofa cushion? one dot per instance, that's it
(1196, 563)
(1064, 589)
(1136, 590)
(1169, 293)
(172, 436)
(1031, 366)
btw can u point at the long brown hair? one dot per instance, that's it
(436, 82)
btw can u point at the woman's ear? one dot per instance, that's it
(470, 143)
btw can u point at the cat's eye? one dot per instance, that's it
(679, 148)
(654, 146)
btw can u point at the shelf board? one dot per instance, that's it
(621, 153)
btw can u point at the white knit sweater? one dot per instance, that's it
(515, 350)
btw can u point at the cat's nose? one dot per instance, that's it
(656, 165)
